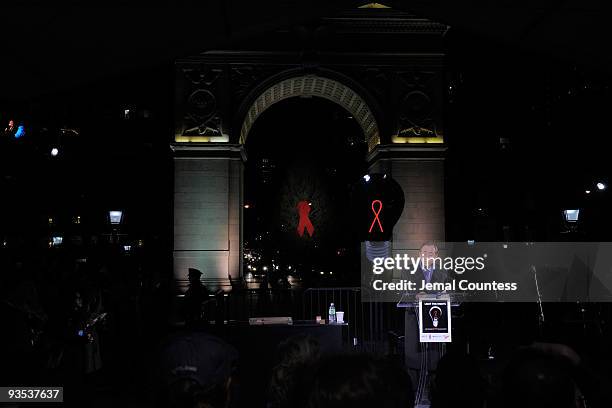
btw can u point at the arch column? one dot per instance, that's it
(208, 201)
(420, 172)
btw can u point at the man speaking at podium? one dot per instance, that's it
(426, 273)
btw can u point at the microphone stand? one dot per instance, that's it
(541, 319)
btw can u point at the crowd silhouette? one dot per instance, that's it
(101, 326)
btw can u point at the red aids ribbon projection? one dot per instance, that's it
(303, 210)
(376, 214)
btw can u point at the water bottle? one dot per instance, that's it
(332, 313)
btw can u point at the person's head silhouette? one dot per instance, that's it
(194, 276)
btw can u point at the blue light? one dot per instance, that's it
(20, 132)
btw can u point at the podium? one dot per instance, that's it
(425, 341)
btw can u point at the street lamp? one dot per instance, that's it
(571, 220)
(115, 217)
(571, 216)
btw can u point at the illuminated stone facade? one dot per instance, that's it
(385, 67)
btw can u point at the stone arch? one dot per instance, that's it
(314, 85)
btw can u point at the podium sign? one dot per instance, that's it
(435, 319)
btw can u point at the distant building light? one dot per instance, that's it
(66, 131)
(247, 206)
(366, 177)
(601, 186)
(115, 217)
(54, 152)
(76, 220)
(57, 241)
(571, 215)
(10, 128)
(51, 221)
(20, 132)
(127, 248)
(587, 191)
(265, 268)
(471, 242)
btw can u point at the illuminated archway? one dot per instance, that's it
(313, 85)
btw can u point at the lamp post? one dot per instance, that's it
(571, 219)
(115, 219)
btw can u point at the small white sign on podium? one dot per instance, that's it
(435, 319)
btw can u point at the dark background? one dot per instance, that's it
(525, 120)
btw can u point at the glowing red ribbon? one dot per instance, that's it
(303, 210)
(376, 214)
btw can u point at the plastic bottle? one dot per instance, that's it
(332, 313)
